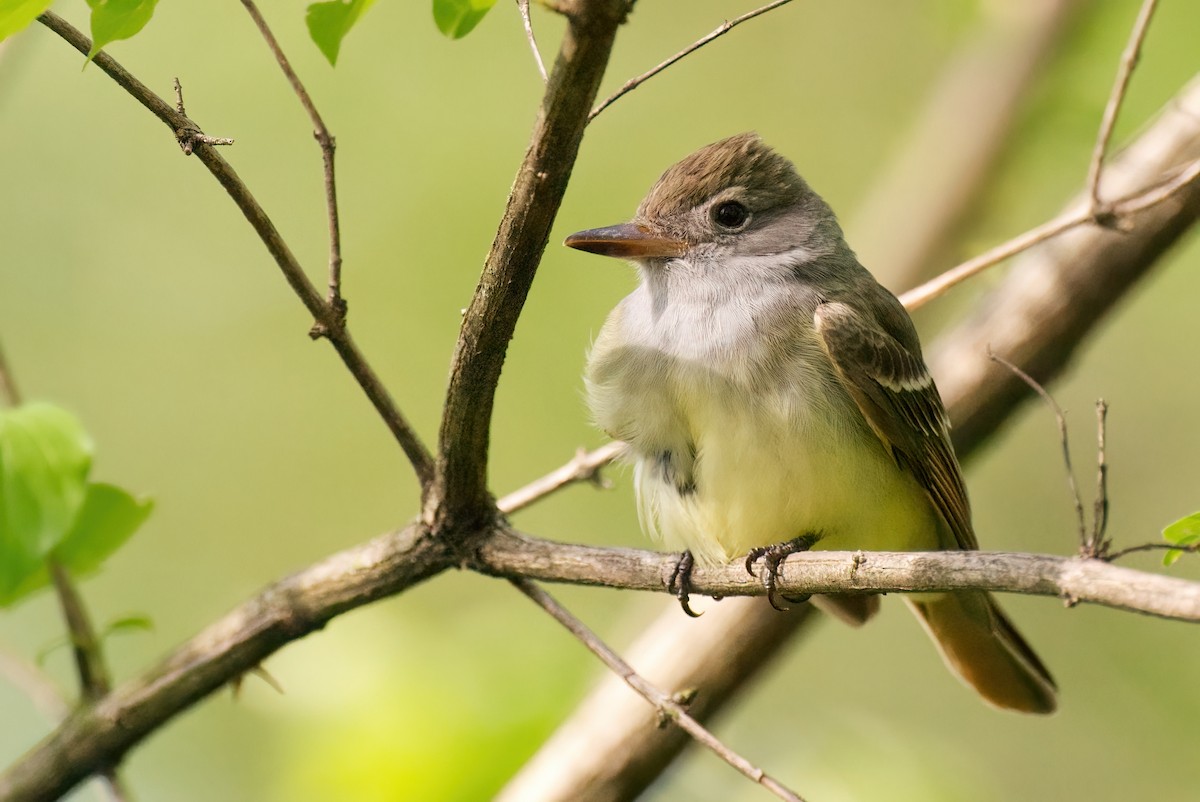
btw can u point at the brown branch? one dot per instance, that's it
(1054, 296)
(667, 706)
(192, 137)
(100, 734)
(325, 315)
(1128, 61)
(333, 297)
(716, 33)
(94, 679)
(1135, 201)
(585, 467)
(1076, 579)
(459, 500)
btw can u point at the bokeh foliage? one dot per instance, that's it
(133, 293)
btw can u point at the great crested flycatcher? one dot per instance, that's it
(769, 389)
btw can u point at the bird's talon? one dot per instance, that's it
(773, 557)
(681, 580)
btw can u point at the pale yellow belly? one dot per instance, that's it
(762, 479)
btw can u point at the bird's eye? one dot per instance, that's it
(730, 215)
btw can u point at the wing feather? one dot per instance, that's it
(893, 389)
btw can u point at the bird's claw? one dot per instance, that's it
(772, 558)
(681, 581)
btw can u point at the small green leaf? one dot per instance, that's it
(329, 22)
(117, 19)
(15, 15)
(45, 456)
(1184, 532)
(457, 18)
(50, 648)
(108, 518)
(130, 623)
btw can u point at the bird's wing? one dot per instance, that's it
(897, 396)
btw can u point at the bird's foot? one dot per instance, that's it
(681, 582)
(772, 557)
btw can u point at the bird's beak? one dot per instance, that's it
(628, 240)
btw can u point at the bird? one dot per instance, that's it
(773, 397)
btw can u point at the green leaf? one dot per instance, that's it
(1184, 532)
(117, 19)
(457, 18)
(129, 623)
(15, 15)
(108, 517)
(45, 456)
(329, 22)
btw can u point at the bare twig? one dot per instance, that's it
(192, 136)
(1129, 60)
(585, 467)
(523, 8)
(333, 297)
(667, 706)
(1099, 544)
(1134, 202)
(612, 747)
(719, 31)
(94, 678)
(1164, 190)
(293, 273)
(1190, 548)
(1061, 419)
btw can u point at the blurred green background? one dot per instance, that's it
(132, 292)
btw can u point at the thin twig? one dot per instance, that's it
(584, 467)
(1134, 202)
(1061, 419)
(94, 678)
(1100, 544)
(666, 705)
(523, 8)
(190, 137)
(1158, 193)
(1129, 60)
(1190, 548)
(719, 31)
(328, 145)
(293, 273)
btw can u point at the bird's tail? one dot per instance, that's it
(980, 645)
